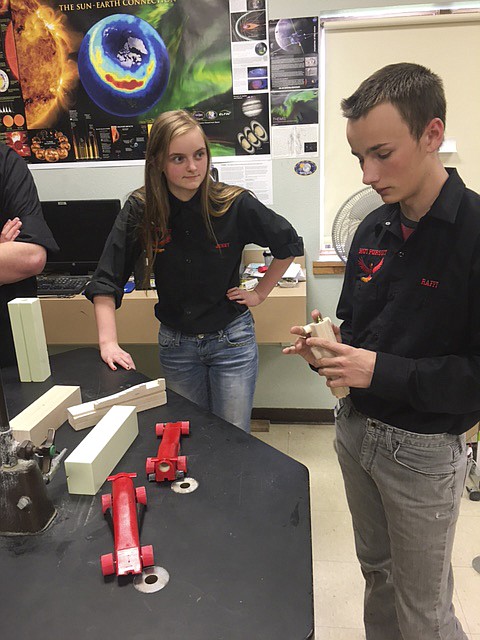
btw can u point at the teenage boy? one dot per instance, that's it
(409, 349)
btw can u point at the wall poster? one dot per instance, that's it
(85, 80)
(294, 82)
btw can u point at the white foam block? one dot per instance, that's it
(34, 344)
(89, 465)
(145, 395)
(47, 412)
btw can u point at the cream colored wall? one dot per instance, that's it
(447, 47)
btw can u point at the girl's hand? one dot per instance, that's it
(112, 354)
(248, 298)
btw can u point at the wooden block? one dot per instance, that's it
(19, 341)
(257, 426)
(34, 342)
(132, 393)
(89, 465)
(472, 434)
(47, 412)
(144, 396)
(324, 330)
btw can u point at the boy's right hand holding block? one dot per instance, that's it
(323, 329)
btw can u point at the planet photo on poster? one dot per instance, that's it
(123, 65)
(252, 107)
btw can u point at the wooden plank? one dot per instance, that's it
(259, 426)
(23, 364)
(34, 344)
(136, 392)
(47, 412)
(321, 267)
(144, 396)
(89, 465)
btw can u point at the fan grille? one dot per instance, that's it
(349, 216)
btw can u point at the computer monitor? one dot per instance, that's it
(80, 228)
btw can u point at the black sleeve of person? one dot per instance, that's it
(260, 225)
(119, 256)
(19, 198)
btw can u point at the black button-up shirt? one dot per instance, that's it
(19, 198)
(193, 271)
(417, 304)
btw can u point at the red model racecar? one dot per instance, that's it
(128, 556)
(168, 465)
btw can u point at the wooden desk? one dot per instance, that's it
(71, 321)
(238, 549)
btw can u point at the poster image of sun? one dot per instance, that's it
(94, 75)
(12, 112)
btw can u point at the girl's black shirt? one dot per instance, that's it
(193, 270)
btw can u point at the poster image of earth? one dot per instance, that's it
(95, 75)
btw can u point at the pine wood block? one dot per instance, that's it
(14, 311)
(29, 323)
(324, 330)
(47, 412)
(259, 426)
(145, 395)
(138, 391)
(89, 465)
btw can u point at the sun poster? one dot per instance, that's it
(83, 81)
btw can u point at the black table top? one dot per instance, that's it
(238, 549)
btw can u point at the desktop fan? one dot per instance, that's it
(349, 216)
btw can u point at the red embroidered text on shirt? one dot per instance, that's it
(158, 248)
(372, 252)
(429, 283)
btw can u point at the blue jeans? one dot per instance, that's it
(403, 491)
(217, 371)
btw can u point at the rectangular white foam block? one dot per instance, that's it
(34, 344)
(145, 395)
(47, 412)
(89, 465)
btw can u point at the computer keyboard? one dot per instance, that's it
(49, 285)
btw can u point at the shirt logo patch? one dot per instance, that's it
(369, 269)
(160, 244)
(433, 284)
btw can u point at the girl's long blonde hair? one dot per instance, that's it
(215, 198)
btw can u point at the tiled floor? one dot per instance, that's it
(338, 583)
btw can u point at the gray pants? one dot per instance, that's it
(404, 491)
